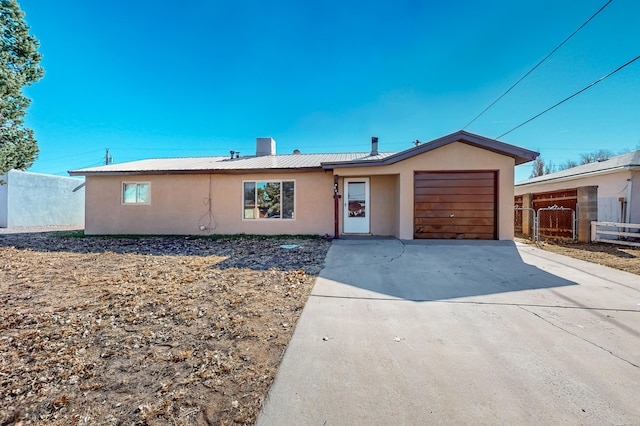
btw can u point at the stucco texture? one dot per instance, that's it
(179, 202)
(179, 205)
(399, 177)
(34, 199)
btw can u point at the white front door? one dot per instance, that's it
(356, 206)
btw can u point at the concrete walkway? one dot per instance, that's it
(461, 332)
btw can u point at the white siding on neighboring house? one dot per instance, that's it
(617, 181)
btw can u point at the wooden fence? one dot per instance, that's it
(555, 213)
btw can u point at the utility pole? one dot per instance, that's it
(108, 160)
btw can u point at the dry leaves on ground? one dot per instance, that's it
(167, 330)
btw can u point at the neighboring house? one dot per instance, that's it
(33, 199)
(458, 186)
(605, 191)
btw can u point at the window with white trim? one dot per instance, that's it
(136, 193)
(269, 200)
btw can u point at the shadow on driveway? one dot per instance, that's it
(429, 270)
(508, 335)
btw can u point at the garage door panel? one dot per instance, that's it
(462, 176)
(454, 198)
(464, 183)
(435, 221)
(463, 190)
(455, 205)
(421, 213)
(454, 235)
(457, 229)
(452, 182)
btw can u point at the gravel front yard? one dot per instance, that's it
(166, 330)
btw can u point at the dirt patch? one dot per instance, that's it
(166, 330)
(620, 257)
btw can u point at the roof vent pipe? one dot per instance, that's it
(374, 145)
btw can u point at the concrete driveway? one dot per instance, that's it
(461, 333)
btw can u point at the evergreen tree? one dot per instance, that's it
(271, 199)
(19, 67)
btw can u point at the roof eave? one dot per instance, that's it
(520, 155)
(195, 172)
(347, 164)
(578, 175)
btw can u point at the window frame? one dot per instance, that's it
(136, 203)
(266, 181)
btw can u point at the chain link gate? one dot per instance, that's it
(549, 220)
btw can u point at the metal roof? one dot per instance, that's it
(299, 162)
(628, 161)
(226, 164)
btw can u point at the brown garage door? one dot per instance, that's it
(455, 205)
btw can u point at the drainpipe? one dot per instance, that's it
(627, 218)
(336, 208)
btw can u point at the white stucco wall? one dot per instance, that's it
(33, 199)
(3, 201)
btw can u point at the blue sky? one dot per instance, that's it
(202, 77)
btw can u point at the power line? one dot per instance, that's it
(536, 65)
(569, 97)
(68, 156)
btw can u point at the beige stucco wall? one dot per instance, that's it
(178, 201)
(454, 156)
(178, 205)
(611, 187)
(385, 211)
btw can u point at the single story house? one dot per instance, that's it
(457, 186)
(604, 191)
(35, 199)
